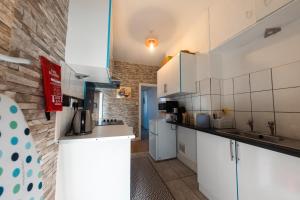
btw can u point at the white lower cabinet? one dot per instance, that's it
(265, 174)
(229, 170)
(216, 167)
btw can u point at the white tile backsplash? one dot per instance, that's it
(196, 103)
(227, 87)
(286, 76)
(215, 86)
(188, 103)
(287, 125)
(205, 103)
(241, 119)
(261, 80)
(260, 121)
(215, 102)
(227, 102)
(262, 101)
(205, 86)
(241, 84)
(242, 102)
(287, 100)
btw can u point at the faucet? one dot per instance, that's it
(271, 126)
(250, 124)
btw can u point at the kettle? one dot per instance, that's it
(82, 122)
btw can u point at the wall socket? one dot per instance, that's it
(182, 147)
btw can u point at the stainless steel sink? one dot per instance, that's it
(253, 135)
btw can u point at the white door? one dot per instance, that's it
(265, 7)
(264, 174)
(216, 167)
(166, 140)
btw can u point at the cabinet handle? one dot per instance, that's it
(231, 143)
(165, 88)
(267, 2)
(237, 148)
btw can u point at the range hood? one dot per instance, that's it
(88, 39)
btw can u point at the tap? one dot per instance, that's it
(250, 124)
(271, 126)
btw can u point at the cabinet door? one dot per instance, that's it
(216, 167)
(188, 72)
(265, 174)
(265, 7)
(172, 76)
(228, 18)
(160, 82)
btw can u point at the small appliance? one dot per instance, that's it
(167, 106)
(203, 120)
(82, 122)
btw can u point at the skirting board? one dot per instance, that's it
(188, 162)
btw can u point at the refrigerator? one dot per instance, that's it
(162, 140)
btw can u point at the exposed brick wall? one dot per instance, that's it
(131, 75)
(29, 28)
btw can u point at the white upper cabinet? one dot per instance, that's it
(228, 18)
(265, 7)
(88, 36)
(177, 76)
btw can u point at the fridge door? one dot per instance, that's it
(166, 140)
(152, 126)
(152, 145)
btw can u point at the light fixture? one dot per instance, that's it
(151, 43)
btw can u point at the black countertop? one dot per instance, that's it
(285, 146)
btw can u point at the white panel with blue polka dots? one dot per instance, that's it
(20, 170)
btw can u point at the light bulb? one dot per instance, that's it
(151, 46)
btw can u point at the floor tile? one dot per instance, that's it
(192, 183)
(181, 191)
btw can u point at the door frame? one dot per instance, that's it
(140, 103)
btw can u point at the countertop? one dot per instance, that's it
(286, 146)
(111, 132)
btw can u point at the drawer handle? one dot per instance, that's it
(249, 14)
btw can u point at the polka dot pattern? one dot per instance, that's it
(13, 125)
(16, 172)
(19, 160)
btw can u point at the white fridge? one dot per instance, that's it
(162, 139)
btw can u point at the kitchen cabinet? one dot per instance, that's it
(187, 147)
(216, 167)
(226, 168)
(89, 37)
(177, 76)
(228, 18)
(264, 8)
(265, 174)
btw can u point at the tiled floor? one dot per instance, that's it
(180, 180)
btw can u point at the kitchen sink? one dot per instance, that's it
(253, 135)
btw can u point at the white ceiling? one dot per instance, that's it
(133, 20)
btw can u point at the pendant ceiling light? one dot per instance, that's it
(151, 43)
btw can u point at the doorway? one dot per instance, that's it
(147, 110)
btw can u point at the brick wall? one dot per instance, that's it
(131, 75)
(29, 28)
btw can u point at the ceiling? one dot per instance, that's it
(134, 20)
